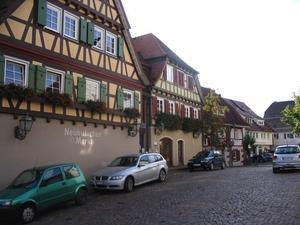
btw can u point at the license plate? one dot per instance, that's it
(197, 164)
(99, 182)
(287, 158)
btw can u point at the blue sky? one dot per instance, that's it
(247, 50)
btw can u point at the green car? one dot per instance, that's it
(38, 188)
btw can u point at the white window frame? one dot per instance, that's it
(59, 12)
(97, 92)
(76, 18)
(170, 75)
(185, 81)
(196, 114)
(172, 103)
(17, 61)
(113, 36)
(129, 92)
(162, 108)
(99, 29)
(187, 111)
(61, 73)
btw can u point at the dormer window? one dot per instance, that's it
(170, 73)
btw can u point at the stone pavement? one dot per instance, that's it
(242, 196)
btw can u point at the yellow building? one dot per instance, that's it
(173, 103)
(69, 66)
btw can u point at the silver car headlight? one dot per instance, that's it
(116, 177)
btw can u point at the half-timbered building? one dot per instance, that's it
(68, 68)
(174, 101)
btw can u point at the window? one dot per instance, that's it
(92, 90)
(53, 18)
(187, 111)
(185, 80)
(111, 43)
(290, 135)
(70, 26)
(172, 107)
(152, 158)
(160, 105)
(284, 135)
(99, 38)
(144, 159)
(276, 136)
(128, 99)
(169, 73)
(196, 114)
(71, 171)
(54, 81)
(52, 176)
(16, 71)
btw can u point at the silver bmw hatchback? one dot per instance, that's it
(286, 157)
(126, 172)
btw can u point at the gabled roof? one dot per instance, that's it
(275, 109)
(243, 109)
(273, 115)
(150, 48)
(232, 117)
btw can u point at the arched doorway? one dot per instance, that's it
(166, 150)
(180, 153)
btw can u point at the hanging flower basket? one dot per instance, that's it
(169, 121)
(95, 106)
(16, 92)
(132, 113)
(191, 125)
(57, 99)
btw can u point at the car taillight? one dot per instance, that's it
(274, 157)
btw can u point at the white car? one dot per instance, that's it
(286, 157)
(126, 172)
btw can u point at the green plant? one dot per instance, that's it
(170, 122)
(16, 91)
(57, 99)
(191, 125)
(96, 106)
(132, 113)
(291, 115)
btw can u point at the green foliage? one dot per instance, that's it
(96, 106)
(170, 121)
(248, 141)
(57, 98)
(17, 92)
(132, 112)
(213, 117)
(291, 115)
(190, 125)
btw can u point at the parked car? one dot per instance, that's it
(207, 160)
(38, 188)
(126, 172)
(286, 157)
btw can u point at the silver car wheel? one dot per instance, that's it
(129, 184)
(162, 176)
(28, 213)
(223, 165)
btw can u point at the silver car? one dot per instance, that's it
(126, 172)
(286, 157)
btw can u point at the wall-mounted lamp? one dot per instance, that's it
(25, 125)
(159, 129)
(133, 129)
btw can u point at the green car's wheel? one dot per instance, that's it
(27, 213)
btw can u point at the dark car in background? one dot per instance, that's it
(207, 160)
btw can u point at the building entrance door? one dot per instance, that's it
(166, 150)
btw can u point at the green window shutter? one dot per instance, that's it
(41, 13)
(40, 79)
(136, 100)
(32, 76)
(90, 33)
(103, 93)
(69, 84)
(81, 88)
(2, 65)
(120, 99)
(83, 30)
(120, 47)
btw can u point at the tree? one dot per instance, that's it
(291, 115)
(248, 144)
(212, 118)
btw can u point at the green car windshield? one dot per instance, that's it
(27, 179)
(126, 161)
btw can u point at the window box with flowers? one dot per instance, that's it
(96, 106)
(56, 98)
(12, 91)
(168, 121)
(131, 113)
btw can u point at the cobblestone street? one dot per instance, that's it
(250, 195)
